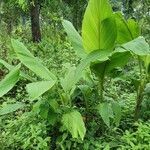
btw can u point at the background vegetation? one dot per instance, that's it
(97, 112)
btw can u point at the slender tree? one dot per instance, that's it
(35, 21)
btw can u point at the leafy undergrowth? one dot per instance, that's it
(28, 129)
(96, 98)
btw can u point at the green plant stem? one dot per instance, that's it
(101, 89)
(70, 102)
(86, 103)
(86, 107)
(139, 100)
(140, 91)
(140, 68)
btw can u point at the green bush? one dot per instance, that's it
(137, 139)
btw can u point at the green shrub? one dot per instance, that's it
(137, 139)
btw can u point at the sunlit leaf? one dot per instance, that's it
(117, 112)
(137, 46)
(30, 61)
(104, 110)
(9, 108)
(97, 25)
(10, 80)
(73, 122)
(68, 81)
(10, 67)
(5, 64)
(126, 30)
(108, 27)
(75, 38)
(36, 89)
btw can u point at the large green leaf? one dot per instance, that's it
(5, 64)
(115, 61)
(9, 81)
(67, 82)
(108, 33)
(30, 61)
(137, 46)
(126, 30)
(10, 67)
(110, 111)
(104, 110)
(98, 28)
(74, 38)
(105, 67)
(117, 112)
(9, 108)
(95, 56)
(134, 28)
(73, 122)
(36, 89)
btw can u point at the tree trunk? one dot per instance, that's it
(35, 23)
(75, 14)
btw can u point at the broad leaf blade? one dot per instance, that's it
(108, 33)
(73, 122)
(10, 67)
(36, 89)
(30, 61)
(5, 64)
(95, 56)
(114, 61)
(92, 28)
(134, 28)
(75, 38)
(9, 81)
(67, 82)
(126, 30)
(137, 46)
(9, 108)
(104, 110)
(117, 112)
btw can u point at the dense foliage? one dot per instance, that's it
(74, 74)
